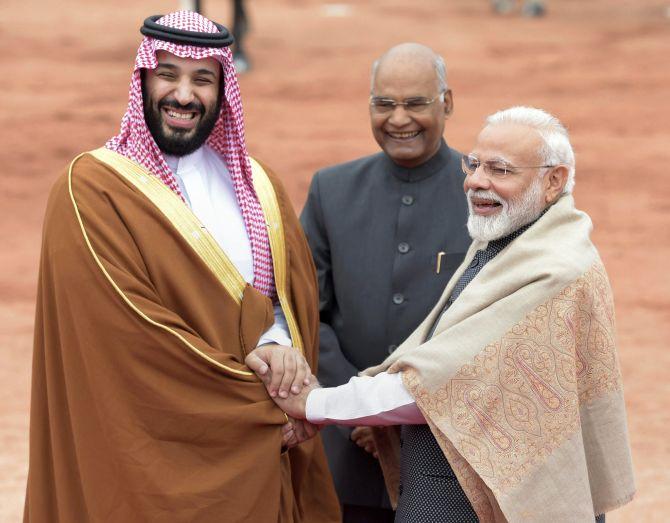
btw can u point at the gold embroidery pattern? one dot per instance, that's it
(270, 205)
(101, 155)
(181, 217)
(504, 413)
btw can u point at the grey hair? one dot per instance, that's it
(557, 149)
(438, 64)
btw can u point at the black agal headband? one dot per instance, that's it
(180, 36)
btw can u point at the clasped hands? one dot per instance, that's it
(288, 379)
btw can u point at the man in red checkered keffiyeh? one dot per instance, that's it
(135, 141)
(142, 406)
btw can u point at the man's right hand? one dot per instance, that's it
(295, 404)
(362, 436)
(280, 368)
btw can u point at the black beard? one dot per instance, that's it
(178, 142)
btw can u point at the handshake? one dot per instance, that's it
(289, 380)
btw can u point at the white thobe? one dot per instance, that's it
(206, 184)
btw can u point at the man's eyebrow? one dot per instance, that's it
(173, 67)
(498, 159)
(206, 71)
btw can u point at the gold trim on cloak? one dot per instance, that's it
(198, 238)
(270, 205)
(181, 217)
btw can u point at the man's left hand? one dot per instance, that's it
(281, 368)
(296, 431)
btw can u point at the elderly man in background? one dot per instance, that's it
(382, 260)
(509, 393)
(164, 265)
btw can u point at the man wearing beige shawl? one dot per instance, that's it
(509, 393)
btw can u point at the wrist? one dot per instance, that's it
(314, 406)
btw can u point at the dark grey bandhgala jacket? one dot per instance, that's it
(375, 230)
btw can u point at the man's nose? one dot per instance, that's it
(399, 116)
(477, 180)
(184, 93)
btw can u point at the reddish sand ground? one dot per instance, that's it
(600, 65)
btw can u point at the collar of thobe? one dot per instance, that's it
(182, 164)
(199, 163)
(423, 171)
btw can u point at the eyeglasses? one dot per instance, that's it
(494, 168)
(418, 104)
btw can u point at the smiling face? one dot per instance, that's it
(409, 138)
(181, 101)
(501, 204)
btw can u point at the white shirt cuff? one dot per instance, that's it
(378, 400)
(278, 332)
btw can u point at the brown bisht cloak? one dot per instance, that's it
(142, 407)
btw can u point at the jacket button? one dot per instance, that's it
(407, 199)
(398, 298)
(403, 247)
(392, 349)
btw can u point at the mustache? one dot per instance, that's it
(487, 195)
(174, 104)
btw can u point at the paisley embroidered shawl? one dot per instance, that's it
(521, 384)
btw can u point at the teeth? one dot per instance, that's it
(410, 134)
(182, 116)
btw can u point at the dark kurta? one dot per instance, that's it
(429, 490)
(375, 230)
(127, 422)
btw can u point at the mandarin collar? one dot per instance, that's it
(182, 164)
(423, 171)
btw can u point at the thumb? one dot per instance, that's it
(256, 364)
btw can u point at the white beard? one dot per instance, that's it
(514, 214)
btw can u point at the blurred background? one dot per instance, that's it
(601, 66)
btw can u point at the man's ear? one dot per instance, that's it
(448, 103)
(554, 182)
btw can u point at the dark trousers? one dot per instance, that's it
(362, 514)
(429, 490)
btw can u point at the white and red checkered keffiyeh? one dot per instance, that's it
(227, 138)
